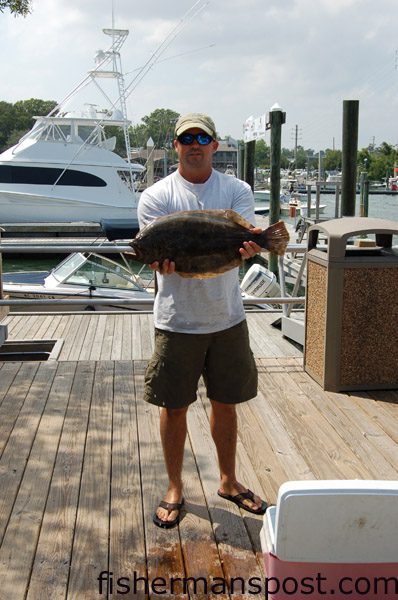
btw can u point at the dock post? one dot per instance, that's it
(241, 161)
(317, 200)
(337, 211)
(3, 309)
(250, 150)
(349, 157)
(276, 118)
(150, 162)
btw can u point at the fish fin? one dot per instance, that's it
(236, 262)
(238, 219)
(131, 254)
(197, 275)
(276, 238)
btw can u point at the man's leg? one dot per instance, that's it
(173, 431)
(224, 430)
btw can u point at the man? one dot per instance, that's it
(200, 326)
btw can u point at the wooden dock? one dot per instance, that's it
(81, 467)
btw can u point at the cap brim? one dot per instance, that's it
(192, 125)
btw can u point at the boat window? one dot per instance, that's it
(48, 176)
(102, 272)
(127, 180)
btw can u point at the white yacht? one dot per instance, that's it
(64, 169)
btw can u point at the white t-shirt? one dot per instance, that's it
(197, 305)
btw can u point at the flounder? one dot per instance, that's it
(203, 243)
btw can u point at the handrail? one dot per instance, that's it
(112, 248)
(104, 248)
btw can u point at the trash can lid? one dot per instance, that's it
(338, 231)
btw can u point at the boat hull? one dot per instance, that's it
(18, 207)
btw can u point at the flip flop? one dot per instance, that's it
(170, 506)
(238, 499)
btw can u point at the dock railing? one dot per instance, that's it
(112, 248)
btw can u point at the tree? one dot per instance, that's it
(25, 110)
(332, 160)
(159, 125)
(262, 154)
(7, 121)
(17, 7)
(17, 119)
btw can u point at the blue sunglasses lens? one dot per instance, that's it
(186, 139)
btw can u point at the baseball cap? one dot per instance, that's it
(199, 120)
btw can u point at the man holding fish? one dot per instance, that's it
(200, 325)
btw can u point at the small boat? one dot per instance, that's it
(65, 168)
(79, 276)
(296, 206)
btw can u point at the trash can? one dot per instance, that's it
(351, 325)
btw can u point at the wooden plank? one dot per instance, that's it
(311, 432)
(20, 539)
(15, 397)
(95, 353)
(43, 325)
(147, 342)
(365, 461)
(381, 450)
(387, 401)
(75, 349)
(21, 327)
(8, 372)
(85, 353)
(199, 547)
(16, 452)
(234, 544)
(70, 338)
(52, 326)
(284, 447)
(127, 540)
(52, 563)
(90, 545)
(136, 345)
(62, 328)
(116, 350)
(126, 337)
(107, 341)
(164, 556)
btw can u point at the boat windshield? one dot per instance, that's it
(101, 272)
(68, 266)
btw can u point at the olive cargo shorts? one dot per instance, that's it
(223, 358)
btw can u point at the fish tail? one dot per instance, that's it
(275, 238)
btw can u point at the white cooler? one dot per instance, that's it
(332, 538)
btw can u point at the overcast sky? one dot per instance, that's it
(234, 59)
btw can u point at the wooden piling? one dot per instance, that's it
(349, 157)
(275, 121)
(250, 149)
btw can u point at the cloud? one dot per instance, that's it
(233, 58)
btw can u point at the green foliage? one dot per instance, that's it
(262, 155)
(17, 7)
(332, 160)
(16, 119)
(159, 126)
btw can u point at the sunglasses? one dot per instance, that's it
(203, 139)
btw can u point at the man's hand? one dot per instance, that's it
(167, 267)
(250, 248)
